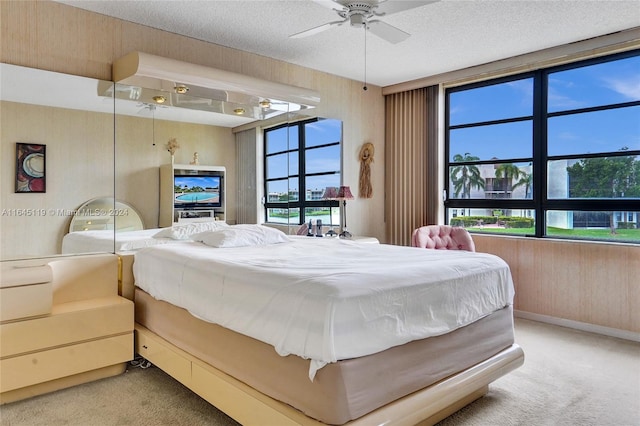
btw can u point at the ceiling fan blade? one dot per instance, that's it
(387, 32)
(331, 4)
(316, 30)
(388, 7)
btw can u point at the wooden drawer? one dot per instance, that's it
(156, 350)
(69, 323)
(25, 301)
(25, 370)
(25, 290)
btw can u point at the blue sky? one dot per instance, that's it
(318, 160)
(202, 181)
(600, 84)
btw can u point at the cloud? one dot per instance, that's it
(559, 101)
(628, 87)
(523, 86)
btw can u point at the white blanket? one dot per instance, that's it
(327, 299)
(97, 241)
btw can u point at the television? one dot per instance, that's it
(198, 191)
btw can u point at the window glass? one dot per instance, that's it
(283, 215)
(508, 100)
(491, 181)
(325, 159)
(301, 161)
(501, 141)
(277, 191)
(594, 177)
(501, 221)
(276, 166)
(281, 139)
(316, 185)
(322, 132)
(582, 148)
(594, 225)
(329, 216)
(595, 85)
(594, 132)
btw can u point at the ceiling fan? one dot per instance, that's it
(364, 13)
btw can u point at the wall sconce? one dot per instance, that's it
(344, 194)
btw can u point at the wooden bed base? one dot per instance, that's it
(250, 407)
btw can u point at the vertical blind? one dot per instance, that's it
(411, 162)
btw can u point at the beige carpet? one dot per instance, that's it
(569, 378)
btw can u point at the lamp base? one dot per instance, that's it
(331, 233)
(345, 234)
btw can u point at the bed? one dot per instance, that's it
(103, 240)
(326, 331)
(100, 241)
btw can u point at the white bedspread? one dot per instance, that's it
(327, 299)
(103, 241)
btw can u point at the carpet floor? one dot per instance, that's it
(569, 378)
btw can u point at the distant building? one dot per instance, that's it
(558, 186)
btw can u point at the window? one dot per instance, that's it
(301, 160)
(553, 152)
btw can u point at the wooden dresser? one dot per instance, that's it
(62, 324)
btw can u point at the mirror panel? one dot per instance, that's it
(74, 126)
(104, 214)
(100, 141)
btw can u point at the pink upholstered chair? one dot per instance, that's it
(443, 237)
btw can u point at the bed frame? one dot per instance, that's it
(251, 407)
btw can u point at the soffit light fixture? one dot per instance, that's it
(199, 87)
(181, 89)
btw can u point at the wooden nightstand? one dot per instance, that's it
(83, 332)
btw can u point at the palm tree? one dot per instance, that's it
(508, 172)
(526, 180)
(465, 176)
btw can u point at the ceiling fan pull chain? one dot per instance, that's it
(365, 56)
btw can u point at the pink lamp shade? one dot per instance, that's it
(344, 193)
(330, 193)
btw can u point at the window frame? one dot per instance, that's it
(540, 203)
(301, 176)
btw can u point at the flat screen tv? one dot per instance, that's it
(197, 191)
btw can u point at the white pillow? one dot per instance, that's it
(242, 236)
(185, 231)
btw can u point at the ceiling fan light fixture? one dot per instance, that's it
(358, 20)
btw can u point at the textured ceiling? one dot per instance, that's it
(445, 36)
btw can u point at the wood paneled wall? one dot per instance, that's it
(588, 282)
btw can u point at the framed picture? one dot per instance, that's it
(30, 167)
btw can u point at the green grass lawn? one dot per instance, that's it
(628, 235)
